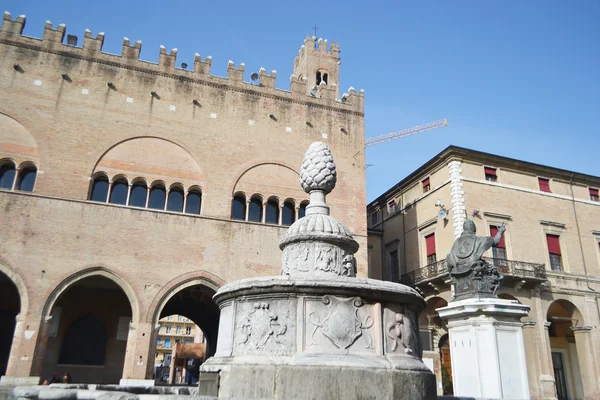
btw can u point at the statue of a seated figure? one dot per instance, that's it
(472, 276)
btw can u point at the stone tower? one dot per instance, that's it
(318, 66)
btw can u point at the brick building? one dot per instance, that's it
(132, 191)
(550, 256)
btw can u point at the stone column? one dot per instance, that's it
(486, 348)
(185, 196)
(296, 215)
(588, 363)
(247, 210)
(147, 195)
(25, 360)
(264, 212)
(139, 358)
(129, 186)
(14, 183)
(280, 214)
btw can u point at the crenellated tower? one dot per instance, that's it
(318, 66)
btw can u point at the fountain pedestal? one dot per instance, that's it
(317, 331)
(486, 347)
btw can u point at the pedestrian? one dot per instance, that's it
(66, 378)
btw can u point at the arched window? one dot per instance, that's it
(84, 342)
(193, 202)
(302, 209)
(118, 192)
(238, 207)
(272, 212)
(26, 179)
(288, 213)
(7, 175)
(138, 195)
(157, 197)
(175, 202)
(99, 189)
(255, 209)
(321, 77)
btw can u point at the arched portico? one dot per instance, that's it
(572, 351)
(189, 296)
(85, 328)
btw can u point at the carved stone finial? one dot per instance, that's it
(318, 169)
(318, 176)
(318, 245)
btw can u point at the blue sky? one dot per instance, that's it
(515, 78)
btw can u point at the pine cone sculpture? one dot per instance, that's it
(318, 169)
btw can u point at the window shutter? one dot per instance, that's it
(593, 192)
(493, 231)
(430, 244)
(553, 244)
(425, 182)
(544, 184)
(490, 171)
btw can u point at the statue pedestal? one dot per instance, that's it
(486, 348)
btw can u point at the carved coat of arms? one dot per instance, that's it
(259, 325)
(342, 325)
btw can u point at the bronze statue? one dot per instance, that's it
(472, 276)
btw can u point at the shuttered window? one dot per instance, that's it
(430, 246)
(544, 184)
(554, 252)
(593, 194)
(499, 252)
(426, 185)
(490, 174)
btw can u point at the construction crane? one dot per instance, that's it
(406, 132)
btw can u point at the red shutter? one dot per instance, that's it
(430, 244)
(593, 192)
(425, 182)
(490, 171)
(493, 231)
(544, 184)
(553, 244)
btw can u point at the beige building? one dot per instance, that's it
(173, 330)
(550, 256)
(132, 191)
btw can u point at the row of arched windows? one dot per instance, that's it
(25, 176)
(140, 194)
(268, 212)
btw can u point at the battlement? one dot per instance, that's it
(11, 31)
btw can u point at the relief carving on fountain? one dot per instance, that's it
(341, 323)
(318, 257)
(402, 332)
(261, 328)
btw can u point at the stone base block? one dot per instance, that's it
(136, 382)
(20, 380)
(301, 382)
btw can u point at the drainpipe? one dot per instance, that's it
(587, 282)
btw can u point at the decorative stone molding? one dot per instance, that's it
(457, 193)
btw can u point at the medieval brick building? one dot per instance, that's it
(132, 191)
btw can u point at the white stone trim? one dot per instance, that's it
(522, 189)
(457, 194)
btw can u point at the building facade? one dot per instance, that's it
(132, 191)
(173, 330)
(550, 256)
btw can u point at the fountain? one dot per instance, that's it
(317, 331)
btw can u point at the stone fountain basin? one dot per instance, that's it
(351, 338)
(354, 322)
